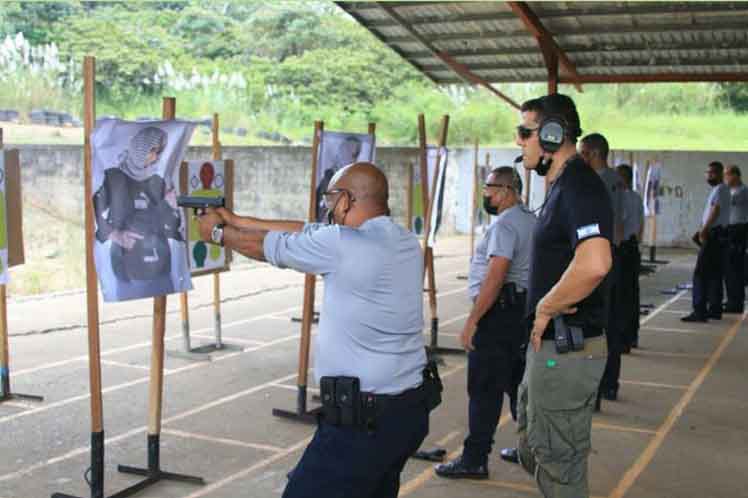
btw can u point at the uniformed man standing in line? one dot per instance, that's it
(633, 227)
(712, 238)
(594, 150)
(495, 329)
(370, 351)
(736, 236)
(567, 298)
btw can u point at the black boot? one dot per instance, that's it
(456, 469)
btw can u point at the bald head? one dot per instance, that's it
(366, 182)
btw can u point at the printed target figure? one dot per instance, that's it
(137, 211)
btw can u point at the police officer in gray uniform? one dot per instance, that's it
(736, 236)
(712, 238)
(566, 299)
(594, 150)
(633, 226)
(370, 352)
(495, 329)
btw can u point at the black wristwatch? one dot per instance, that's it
(216, 235)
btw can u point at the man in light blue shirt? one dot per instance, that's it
(736, 237)
(371, 328)
(712, 237)
(495, 330)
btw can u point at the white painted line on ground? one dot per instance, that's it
(221, 440)
(296, 388)
(132, 432)
(427, 474)
(231, 339)
(83, 450)
(142, 380)
(661, 307)
(259, 465)
(653, 384)
(125, 365)
(17, 404)
(678, 331)
(646, 457)
(141, 345)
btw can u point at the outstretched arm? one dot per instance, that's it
(250, 223)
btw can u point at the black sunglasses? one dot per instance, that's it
(497, 185)
(524, 132)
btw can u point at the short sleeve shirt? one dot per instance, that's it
(371, 320)
(633, 214)
(509, 236)
(614, 185)
(718, 196)
(739, 205)
(577, 208)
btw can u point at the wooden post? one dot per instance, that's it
(409, 198)
(429, 203)
(474, 199)
(156, 388)
(92, 289)
(217, 155)
(310, 280)
(4, 345)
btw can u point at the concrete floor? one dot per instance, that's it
(678, 430)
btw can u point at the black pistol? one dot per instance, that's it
(200, 204)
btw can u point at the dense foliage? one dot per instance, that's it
(277, 66)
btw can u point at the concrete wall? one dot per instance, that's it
(274, 182)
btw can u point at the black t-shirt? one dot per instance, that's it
(577, 208)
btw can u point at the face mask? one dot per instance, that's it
(331, 213)
(493, 210)
(713, 182)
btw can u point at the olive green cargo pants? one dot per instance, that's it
(554, 416)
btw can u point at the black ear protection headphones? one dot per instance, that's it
(551, 133)
(516, 182)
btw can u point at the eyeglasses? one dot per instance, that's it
(329, 197)
(497, 185)
(524, 132)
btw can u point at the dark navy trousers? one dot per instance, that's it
(351, 462)
(495, 367)
(707, 276)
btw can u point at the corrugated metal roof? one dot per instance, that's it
(603, 41)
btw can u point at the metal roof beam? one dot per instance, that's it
(581, 50)
(738, 27)
(659, 78)
(547, 44)
(682, 62)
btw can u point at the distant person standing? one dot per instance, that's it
(594, 150)
(712, 237)
(736, 237)
(633, 227)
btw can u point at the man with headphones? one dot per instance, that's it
(566, 301)
(495, 330)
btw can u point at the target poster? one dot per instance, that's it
(140, 233)
(208, 178)
(652, 189)
(434, 156)
(336, 150)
